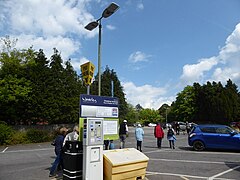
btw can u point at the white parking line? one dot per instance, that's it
(189, 161)
(185, 176)
(191, 152)
(28, 150)
(222, 173)
(171, 174)
(4, 150)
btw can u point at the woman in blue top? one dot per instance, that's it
(139, 136)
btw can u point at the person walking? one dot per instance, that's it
(58, 151)
(177, 128)
(139, 136)
(171, 137)
(159, 134)
(188, 127)
(72, 136)
(123, 130)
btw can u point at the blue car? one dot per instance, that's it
(214, 137)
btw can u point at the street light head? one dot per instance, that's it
(91, 25)
(112, 8)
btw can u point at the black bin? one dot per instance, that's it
(72, 160)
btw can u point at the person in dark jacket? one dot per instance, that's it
(159, 134)
(171, 137)
(123, 130)
(58, 151)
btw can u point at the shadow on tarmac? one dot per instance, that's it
(185, 148)
(233, 165)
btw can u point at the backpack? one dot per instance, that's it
(111, 145)
(170, 132)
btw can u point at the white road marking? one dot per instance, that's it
(222, 173)
(184, 178)
(183, 175)
(192, 152)
(29, 150)
(189, 161)
(179, 175)
(4, 150)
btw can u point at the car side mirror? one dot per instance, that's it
(233, 133)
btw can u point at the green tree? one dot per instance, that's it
(184, 107)
(73, 87)
(14, 86)
(33, 90)
(132, 115)
(108, 78)
(164, 112)
(209, 103)
(233, 101)
(37, 72)
(13, 95)
(147, 116)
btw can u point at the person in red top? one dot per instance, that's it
(159, 134)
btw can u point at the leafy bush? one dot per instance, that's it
(18, 137)
(37, 136)
(5, 133)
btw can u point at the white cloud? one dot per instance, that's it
(147, 95)
(110, 27)
(47, 24)
(220, 68)
(64, 45)
(76, 63)
(225, 74)
(46, 17)
(138, 56)
(195, 72)
(140, 6)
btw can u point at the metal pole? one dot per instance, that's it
(112, 88)
(99, 57)
(166, 116)
(88, 90)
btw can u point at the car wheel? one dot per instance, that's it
(198, 146)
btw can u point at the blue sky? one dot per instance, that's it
(156, 47)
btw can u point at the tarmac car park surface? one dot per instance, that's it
(32, 161)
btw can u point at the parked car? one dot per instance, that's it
(164, 125)
(214, 137)
(192, 124)
(182, 126)
(152, 125)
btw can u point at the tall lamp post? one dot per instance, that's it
(166, 115)
(112, 8)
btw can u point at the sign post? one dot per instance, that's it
(98, 121)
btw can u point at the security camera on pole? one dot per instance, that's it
(87, 74)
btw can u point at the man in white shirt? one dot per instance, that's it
(73, 136)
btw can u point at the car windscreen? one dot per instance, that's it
(223, 130)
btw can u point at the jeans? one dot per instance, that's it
(139, 145)
(171, 143)
(122, 140)
(159, 142)
(106, 144)
(57, 161)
